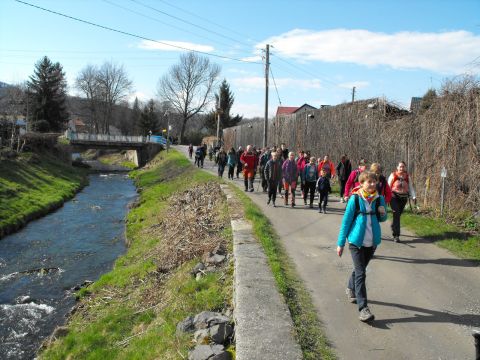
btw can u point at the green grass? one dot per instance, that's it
(130, 314)
(309, 332)
(443, 234)
(33, 184)
(117, 159)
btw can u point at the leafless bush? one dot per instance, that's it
(446, 134)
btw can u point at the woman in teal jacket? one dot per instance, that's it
(361, 226)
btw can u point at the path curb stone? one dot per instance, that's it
(263, 325)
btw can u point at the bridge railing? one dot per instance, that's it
(115, 138)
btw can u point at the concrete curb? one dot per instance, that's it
(263, 325)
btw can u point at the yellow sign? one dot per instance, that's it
(164, 130)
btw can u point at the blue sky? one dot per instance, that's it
(321, 49)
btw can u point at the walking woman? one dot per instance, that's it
(231, 162)
(402, 189)
(344, 168)
(309, 179)
(382, 185)
(273, 175)
(290, 175)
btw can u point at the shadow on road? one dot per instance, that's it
(424, 316)
(446, 261)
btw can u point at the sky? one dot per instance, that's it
(319, 51)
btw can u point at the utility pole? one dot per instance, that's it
(267, 69)
(353, 94)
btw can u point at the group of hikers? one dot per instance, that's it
(366, 191)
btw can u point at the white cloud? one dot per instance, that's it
(357, 84)
(258, 82)
(443, 52)
(175, 45)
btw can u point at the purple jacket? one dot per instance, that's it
(289, 171)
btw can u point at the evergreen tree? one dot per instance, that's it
(47, 88)
(149, 119)
(428, 99)
(224, 100)
(135, 117)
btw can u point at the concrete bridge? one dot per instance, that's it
(142, 148)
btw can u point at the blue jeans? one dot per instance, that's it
(361, 257)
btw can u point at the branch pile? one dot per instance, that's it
(192, 227)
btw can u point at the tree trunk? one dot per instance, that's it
(182, 131)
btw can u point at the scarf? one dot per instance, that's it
(367, 196)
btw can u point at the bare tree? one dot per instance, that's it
(104, 87)
(13, 103)
(114, 87)
(188, 86)
(87, 83)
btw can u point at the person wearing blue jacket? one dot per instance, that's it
(361, 227)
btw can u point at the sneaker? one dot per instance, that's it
(293, 205)
(324, 211)
(396, 239)
(251, 190)
(366, 315)
(319, 211)
(311, 206)
(268, 201)
(305, 202)
(351, 296)
(274, 204)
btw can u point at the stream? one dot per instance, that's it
(42, 263)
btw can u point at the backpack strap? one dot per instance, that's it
(356, 198)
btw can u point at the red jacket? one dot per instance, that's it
(328, 165)
(249, 160)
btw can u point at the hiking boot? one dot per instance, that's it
(351, 296)
(366, 315)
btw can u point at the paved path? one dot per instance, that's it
(425, 300)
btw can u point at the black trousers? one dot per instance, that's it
(239, 169)
(231, 170)
(272, 190)
(309, 187)
(398, 205)
(342, 187)
(323, 198)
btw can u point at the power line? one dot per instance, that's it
(161, 22)
(188, 22)
(135, 35)
(305, 71)
(207, 20)
(271, 73)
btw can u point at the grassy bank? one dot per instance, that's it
(33, 185)
(116, 159)
(445, 235)
(132, 311)
(309, 332)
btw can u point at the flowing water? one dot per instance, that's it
(40, 264)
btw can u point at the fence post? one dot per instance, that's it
(443, 174)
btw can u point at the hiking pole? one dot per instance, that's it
(476, 336)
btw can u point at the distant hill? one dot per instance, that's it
(3, 85)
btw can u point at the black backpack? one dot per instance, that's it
(357, 208)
